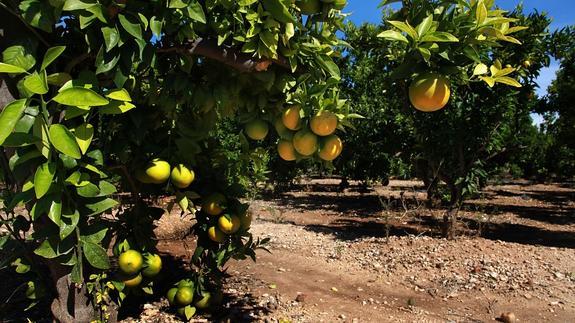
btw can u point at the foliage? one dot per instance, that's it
(104, 87)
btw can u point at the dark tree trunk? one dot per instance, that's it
(450, 217)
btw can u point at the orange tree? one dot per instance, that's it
(115, 106)
(461, 59)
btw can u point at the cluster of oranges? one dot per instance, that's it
(159, 171)
(300, 138)
(134, 267)
(227, 223)
(183, 296)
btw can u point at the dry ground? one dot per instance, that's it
(333, 261)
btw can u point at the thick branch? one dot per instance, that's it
(226, 55)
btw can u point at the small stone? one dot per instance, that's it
(300, 297)
(342, 316)
(508, 317)
(528, 296)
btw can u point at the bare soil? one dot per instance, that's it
(376, 255)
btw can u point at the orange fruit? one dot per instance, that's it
(182, 176)
(291, 118)
(204, 302)
(171, 295)
(158, 171)
(305, 142)
(229, 224)
(323, 123)
(429, 92)
(214, 204)
(216, 235)
(286, 150)
(257, 129)
(331, 148)
(130, 262)
(152, 265)
(282, 131)
(184, 296)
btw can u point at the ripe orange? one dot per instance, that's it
(286, 150)
(152, 265)
(130, 262)
(133, 281)
(214, 204)
(158, 171)
(291, 118)
(429, 92)
(323, 123)
(229, 224)
(184, 296)
(181, 176)
(305, 142)
(331, 148)
(257, 129)
(216, 235)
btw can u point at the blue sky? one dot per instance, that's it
(562, 13)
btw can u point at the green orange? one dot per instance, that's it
(257, 129)
(130, 262)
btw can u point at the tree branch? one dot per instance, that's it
(226, 55)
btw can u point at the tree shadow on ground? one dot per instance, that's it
(351, 229)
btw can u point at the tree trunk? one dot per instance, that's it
(450, 217)
(72, 304)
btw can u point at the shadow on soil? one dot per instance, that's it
(362, 212)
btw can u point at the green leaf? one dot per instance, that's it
(94, 233)
(38, 13)
(424, 26)
(133, 28)
(100, 206)
(48, 249)
(405, 27)
(19, 55)
(36, 83)
(489, 80)
(76, 274)
(9, 118)
(96, 255)
(508, 80)
(328, 64)
(7, 68)
(278, 11)
(177, 4)
(480, 13)
(70, 5)
(40, 130)
(55, 211)
(425, 53)
(58, 78)
(111, 37)
(68, 223)
(89, 190)
(196, 12)
(43, 178)
(117, 107)
(393, 35)
(156, 26)
(64, 141)
(106, 188)
(84, 134)
(20, 139)
(439, 36)
(79, 96)
(51, 55)
(119, 95)
(480, 69)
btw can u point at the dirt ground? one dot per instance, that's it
(332, 259)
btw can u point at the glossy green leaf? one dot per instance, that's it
(156, 26)
(96, 255)
(68, 222)
(64, 141)
(111, 37)
(424, 26)
(55, 211)
(117, 107)
(19, 55)
(51, 55)
(405, 27)
(43, 178)
(119, 95)
(20, 139)
(133, 28)
(58, 78)
(196, 12)
(36, 83)
(7, 68)
(9, 117)
(70, 5)
(278, 10)
(79, 96)
(100, 206)
(393, 35)
(89, 190)
(84, 134)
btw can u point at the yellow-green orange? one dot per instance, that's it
(171, 295)
(214, 204)
(229, 224)
(182, 176)
(216, 234)
(429, 92)
(184, 296)
(152, 265)
(291, 118)
(257, 129)
(282, 131)
(158, 171)
(130, 262)
(339, 4)
(309, 7)
(133, 281)
(305, 142)
(331, 148)
(286, 150)
(323, 123)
